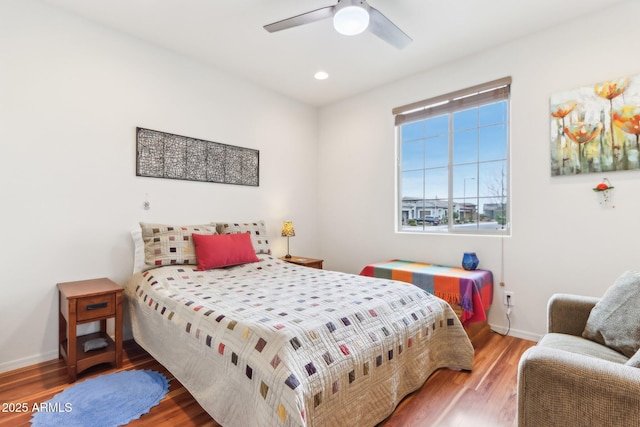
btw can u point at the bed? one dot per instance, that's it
(269, 343)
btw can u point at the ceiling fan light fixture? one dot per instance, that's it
(350, 17)
(351, 20)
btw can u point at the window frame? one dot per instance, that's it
(448, 104)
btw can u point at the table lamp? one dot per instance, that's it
(288, 231)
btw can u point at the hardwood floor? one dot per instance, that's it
(484, 397)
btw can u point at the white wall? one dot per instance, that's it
(71, 96)
(563, 240)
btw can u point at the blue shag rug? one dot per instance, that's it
(106, 401)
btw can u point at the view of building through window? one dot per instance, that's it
(453, 167)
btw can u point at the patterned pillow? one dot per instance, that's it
(171, 244)
(257, 230)
(613, 320)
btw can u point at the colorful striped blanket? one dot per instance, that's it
(471, 290)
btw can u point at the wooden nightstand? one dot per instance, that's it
(83, 302)
(307, 262)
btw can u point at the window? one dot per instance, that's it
(453, 162)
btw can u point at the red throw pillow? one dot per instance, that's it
(223, 250)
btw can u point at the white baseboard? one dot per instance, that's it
(516, 333)
(28, 361)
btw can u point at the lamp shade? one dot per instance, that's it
(287, 229)
(351, 20)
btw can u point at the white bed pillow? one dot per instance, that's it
(138, 250)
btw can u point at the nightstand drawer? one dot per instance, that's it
(95, 307)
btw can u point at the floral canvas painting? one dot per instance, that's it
(596, 128)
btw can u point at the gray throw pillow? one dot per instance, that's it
(614, 319)
(635, 360)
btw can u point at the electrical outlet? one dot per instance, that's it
(508, 298)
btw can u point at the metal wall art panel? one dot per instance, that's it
(165, 155)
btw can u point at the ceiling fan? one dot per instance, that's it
(350, 17)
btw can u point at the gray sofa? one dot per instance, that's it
(567, 380)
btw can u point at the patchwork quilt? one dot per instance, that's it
(275, 344)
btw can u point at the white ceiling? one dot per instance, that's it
(229, 35)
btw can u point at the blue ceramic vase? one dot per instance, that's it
(470, 261)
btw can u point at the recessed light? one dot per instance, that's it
(321, 75)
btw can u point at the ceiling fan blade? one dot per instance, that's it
(382, 27)
(305, 18)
